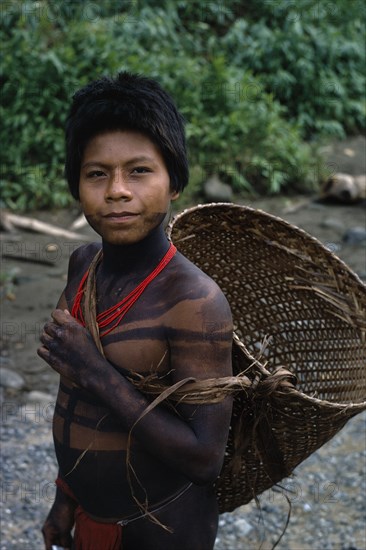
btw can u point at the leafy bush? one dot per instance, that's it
(310, 56)
(243, 78)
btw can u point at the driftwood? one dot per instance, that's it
(5, 223)
(9, 221)
(79, 222)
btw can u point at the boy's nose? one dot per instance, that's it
(118, 187)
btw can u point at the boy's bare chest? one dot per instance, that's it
(134, 333)
(138, 346)
(133, 326)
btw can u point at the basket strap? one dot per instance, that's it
(89, 302)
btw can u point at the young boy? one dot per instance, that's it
(125, 481)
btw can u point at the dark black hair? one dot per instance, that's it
(126, 102)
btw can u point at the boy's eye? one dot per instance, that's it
(95, 174)
(140, 170)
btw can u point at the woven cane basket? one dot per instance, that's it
(296, 307)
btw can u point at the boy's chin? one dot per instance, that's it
(122, 240)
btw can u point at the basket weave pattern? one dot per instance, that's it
(286, 289)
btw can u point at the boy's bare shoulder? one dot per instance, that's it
(81, 257)
(193, 286)
(199, 313)
(187, 270)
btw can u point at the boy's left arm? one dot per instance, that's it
(200, 341)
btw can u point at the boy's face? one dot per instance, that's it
(124, 186)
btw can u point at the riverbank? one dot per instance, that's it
(327, 493)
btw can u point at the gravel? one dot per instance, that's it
(327, 491)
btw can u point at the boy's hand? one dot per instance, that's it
(59, 523)
(69, 348)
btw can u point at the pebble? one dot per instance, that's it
(5, 359)
(39, 397)
(327, 497)
(217, 191)
(333, 223)
(243, 527)
(11, 379)
(333, 247)
(355, 235)
(326, 493)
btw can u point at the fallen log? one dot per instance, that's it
(32, 224)
(5, 224)
(79, 222)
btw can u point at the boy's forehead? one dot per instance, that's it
(118, 142)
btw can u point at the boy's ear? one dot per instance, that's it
(174, 195)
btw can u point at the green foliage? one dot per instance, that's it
(311, 56)
(253, 80)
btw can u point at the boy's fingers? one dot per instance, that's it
(61, 316)
(45, 338)
(43, 352)
(51, 329)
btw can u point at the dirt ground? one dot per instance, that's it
(33, 282)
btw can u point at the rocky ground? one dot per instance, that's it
(326, 493)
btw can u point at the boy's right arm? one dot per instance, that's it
(60, 521)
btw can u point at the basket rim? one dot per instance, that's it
(264, 215)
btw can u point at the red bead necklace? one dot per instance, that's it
(116, 313)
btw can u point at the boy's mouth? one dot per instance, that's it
(120, 215)
(120, 218)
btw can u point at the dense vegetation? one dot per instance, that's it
(260, 84)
